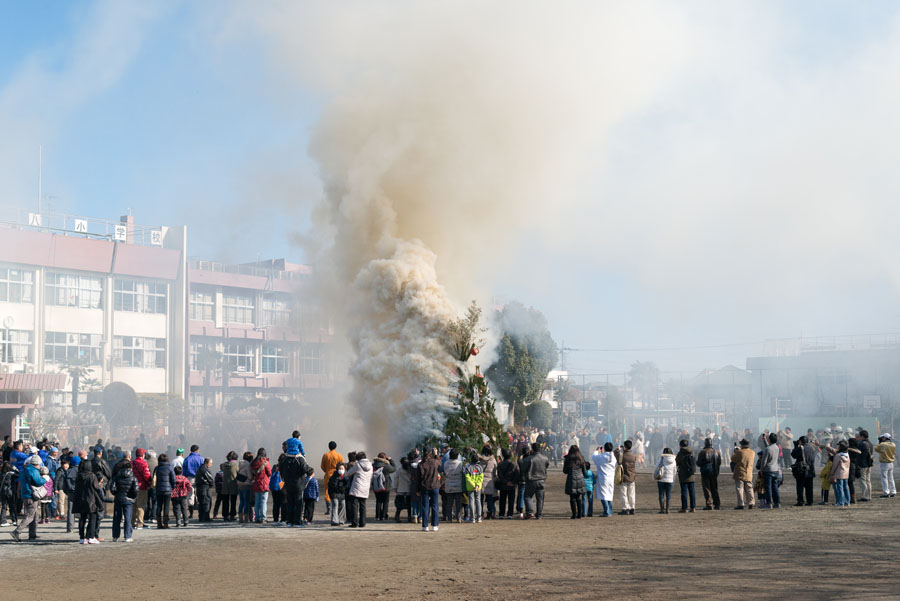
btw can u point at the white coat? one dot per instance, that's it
(668, 464)
(606, 475)
(362, 478)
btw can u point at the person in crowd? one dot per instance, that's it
(141, 472)
(124, 488)
(63, 490)
(710, 462)
(230, 470)
(864, 466)
(886, 450)
(276, 492)
(606, 463)
(507, 479)
(30, 480)
(535, 482)
(402, 491)
(178, 461)
(627, 459)
(152, 462)
(664, 474)
(383, 468)
(768, 467)
(587, 500)
(840, 473)
(310, 498)
(574, 468)
(204, 480)
(489, 489)
(825, 476)
(429, 479)
(181, 494)
(330, 461)
(361, 473)
(88, 503)
(8, 483)
(164, 478)
(245, 488)
(261, 472)
(337, 490)
(804, 469)
(473, 475)
(295, 443)
(687, 469)
(294, 471)
(191, 464)
(453, 487)
(522, 463)
(44, 501)
(219, 480)
(742, 460)
(101, 467)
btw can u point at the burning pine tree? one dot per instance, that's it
(473, 418)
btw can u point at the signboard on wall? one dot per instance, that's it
(120, 234)
(568, 406)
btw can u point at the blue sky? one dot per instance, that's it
(179, 112)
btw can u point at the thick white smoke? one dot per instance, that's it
(448, 130)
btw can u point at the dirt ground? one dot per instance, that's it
(791, 553)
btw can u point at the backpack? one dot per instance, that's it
(378, 480)
(275, 482)
(6, 488)
(474, 477)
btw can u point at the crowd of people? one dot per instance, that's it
(40, 481)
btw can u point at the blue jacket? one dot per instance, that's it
(294, 446)
(165, 478)
(17, 458)
(32, 477)
(312, 489)
(191, 464)
(589, 478)
(43, 455)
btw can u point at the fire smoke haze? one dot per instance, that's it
(647, 174)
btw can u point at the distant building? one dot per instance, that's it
(122, 303)
(251, 337)
(838, 376)
(99, 295)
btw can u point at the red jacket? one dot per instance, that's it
(261, 471)
(182, 488)
(141, 473)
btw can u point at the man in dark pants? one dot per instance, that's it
(535, 480)
(294, 471)
(804, 469)
(709, 460)
(204, 480)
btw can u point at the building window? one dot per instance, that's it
(67, 348)
(313, 362)
(197, 400)
(136, 351)
(276, 310)
(16, 285)
(15, 346)
(66, 290)
(204, 356)
(239, 357)
(202, 306)
(140, 297)
(274, 359)
(237, 308)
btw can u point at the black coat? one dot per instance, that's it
(165, 478)
(575, 472)
(204, 479)
(101, 468)
(338, 486)
(293, 471)
(88, 496)
(507, 475)
(124, 486)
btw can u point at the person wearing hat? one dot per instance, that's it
(886, 450)
(179, 459)
(30, 479)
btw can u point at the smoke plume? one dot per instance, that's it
(447, 130)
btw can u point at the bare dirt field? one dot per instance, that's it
(791, 553)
